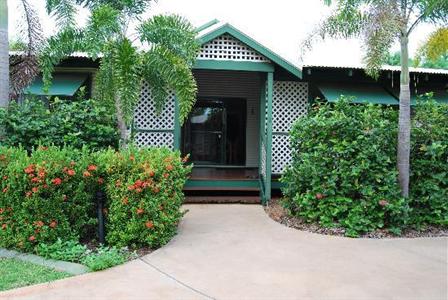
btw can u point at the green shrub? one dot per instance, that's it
(74, 123)
(105, 257)
(343, 168)
(49, 194)
(45, 196)
(144, 191)
(429, 164)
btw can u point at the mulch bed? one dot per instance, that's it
(279, 214)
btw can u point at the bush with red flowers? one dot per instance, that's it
(49, 194)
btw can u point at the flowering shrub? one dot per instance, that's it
(49, 194)
(144, 189)
(343, 169)
(44, 196)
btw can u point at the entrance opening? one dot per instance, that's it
(215, 132)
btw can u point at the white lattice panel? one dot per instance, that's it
(290, 101)
(281, 153)
(156, 139)
(145, 116)
(226, 47)
(263, 160)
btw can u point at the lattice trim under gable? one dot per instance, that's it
(226, 47)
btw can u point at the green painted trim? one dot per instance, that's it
(153, 130)
(269, 135)
(176, 142)
(262, 122)
(223, 183)
(207, 25)
(227, 28)
(233, 65)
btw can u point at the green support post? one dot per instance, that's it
(270, 92)
(176, 125)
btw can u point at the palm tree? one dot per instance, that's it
(4, 54)
(161, 51)
(435, 48)
(380, 23)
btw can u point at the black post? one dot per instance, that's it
(99, 205)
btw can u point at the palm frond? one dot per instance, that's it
(172, 32)
(25, 67)
(64, 12)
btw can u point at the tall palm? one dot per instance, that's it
(4, 54)
(167, 51)
(380, 23)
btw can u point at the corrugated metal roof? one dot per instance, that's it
(384, 68)
(74, 54)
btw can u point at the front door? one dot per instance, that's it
(205, 133)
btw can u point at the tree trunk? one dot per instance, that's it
(4, 54)
(121, 124)
(404, 122)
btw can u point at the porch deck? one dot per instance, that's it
(223, 179)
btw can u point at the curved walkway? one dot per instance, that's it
(237, 252)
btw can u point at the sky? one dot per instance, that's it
(280, 25)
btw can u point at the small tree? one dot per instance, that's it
(435, 49)
(164, 56)
(380, 23)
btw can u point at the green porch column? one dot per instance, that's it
(270, 91)
(176, 143)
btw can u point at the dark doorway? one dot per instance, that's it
(215, 132)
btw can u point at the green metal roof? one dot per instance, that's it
(62, 85)
(363, 93)
(229, 29)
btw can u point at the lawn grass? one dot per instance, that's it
(16, 273)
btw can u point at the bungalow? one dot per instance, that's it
(248, 98)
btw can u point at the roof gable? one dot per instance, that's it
(226, 30)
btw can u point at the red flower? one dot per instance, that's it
(149, 224)
(132, 157)
(91, 168)
(151, 173)
(100, 180)
(29, 169)
(32, 238)
(45, 186)
(35, 189)
(53, 224)
(5, 189)
(320, 196)
(185, 159)
(138, 190)
(86, 174)
(71, 172)
(28, 194)
(57, 181)
(39, 223)
(117, 183)
(383, 202)
(138, 183)
(140, 211)
(34, 179)
(5, 177)
(4, 226)
(169, 167)
(166, 175)
(2, 210)
(125, 201)
(41, 174)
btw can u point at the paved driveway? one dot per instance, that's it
(237, 252)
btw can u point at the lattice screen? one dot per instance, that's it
(226, 47)
(290, 101)
(153, 129)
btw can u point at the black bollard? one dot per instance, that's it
(100, 205)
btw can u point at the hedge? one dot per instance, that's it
(343, 170)
(50, 193)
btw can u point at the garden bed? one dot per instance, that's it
(280, 215)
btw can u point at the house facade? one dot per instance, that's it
(248, 98)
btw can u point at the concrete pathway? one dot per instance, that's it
(237, 252)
